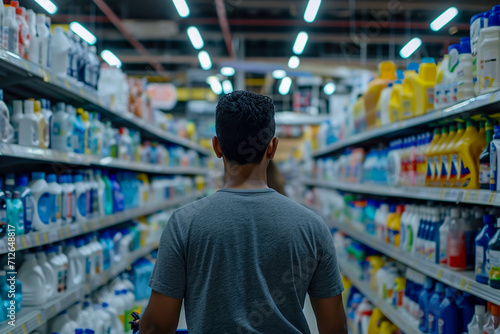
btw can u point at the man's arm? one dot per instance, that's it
(330, 315)
(161, 315)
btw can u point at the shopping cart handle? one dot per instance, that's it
(134, 324)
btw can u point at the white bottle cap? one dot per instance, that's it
(40, 18)
(18, 107)
(29, 107)
(479, 309)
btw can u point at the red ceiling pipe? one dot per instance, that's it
(224, 26)
(135, 43)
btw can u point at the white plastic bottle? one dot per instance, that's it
(31, 275)
(94, 193)
(477, 23)
(43, 36)
(5, 27)
(76, 268)
(29, 129)
(81, 198)
(65, 265)
(49, 274)
(96, 66)
(13, 30)
(42, 125)
(6, 129)
(444, 230)
(17, 116)
(86, 253)
(73, 135)
(464, 71)
(385, 98)
(24, 41)
(478, 321)
(99, 259)
(381, 221)
(489, 58)
(116, 324)
(60, 47)
(61, 128)
(34, 47)
(42, 198)
(47, 115)
(55, 190)
(62, 324)
(101, 195)
(72, 200)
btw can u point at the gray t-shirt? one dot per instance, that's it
(244, 260)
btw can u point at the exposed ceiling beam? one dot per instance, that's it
(135, 43)
(224, 26)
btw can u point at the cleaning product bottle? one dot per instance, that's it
(43, 202)
(423, 302)
(101, 192)
(55, 191)
(453, 157)
(73, 126)
(60, 52)
(395, 102)
(27, 201)
(461, 242)
(387, 74)
(34, 46)
(29, 127)
(445, 156)
(96, 135)
(439, 88)
(86, 124)
(464, 71)
(118, 199)
(482, 241)
(448, 314)
(437, 154)
(476, 24)
(478, 321)
(76, 265)
(444, 231)
(15, 213)
(12, 31)
(412, 231)
(429, 178)
(108, 192)
(469, 148)
(493, 321)
(62, 128)
(383, 109)
(81, 198)
(15, 119)
(489, 67)
(71, 192)
(42, 125)
(31, 275)
(493, 256)
(62, 324)
(43, 34)
(80, 130)
(409, 89)
(394, 225)
(48, 273)
(465, 302)
(434, 308)
(6, 129)
(426, 80)
(494, 156)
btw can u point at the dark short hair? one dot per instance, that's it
(245, 125)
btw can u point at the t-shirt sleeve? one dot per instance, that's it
(326, 281)
(169, 273)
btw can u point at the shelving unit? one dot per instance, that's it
(403, 321)
(462, 280)
(480, 197)
(484, 103)
(36, 239)
(30, 318)
(70, 158)
(26, 79)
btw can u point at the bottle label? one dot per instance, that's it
(430, 168)
(484, 174)
(64, 207)
(440, 326)
(5, 38)
(13, 41)
(28, 213)
(98, 258)
(88, 203)
(436, 168)
(73, 205)
(444, 167)
(44, 208)
(81, 204)
(453, 167)
(430, 95)
(480, 260)
(494, 265)
(60, 280)
(464, 174)
(20, 219)
(490, 68)
(443, 249)
(58, 206)
(493, 166)
(431, 321)
(95, 201)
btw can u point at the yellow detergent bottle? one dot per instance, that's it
(387, 327)
(347, 290)
(444, 156)
(373, 325)
(359, 115)
(375, 262)
(394, 225)
(144, 189)
(41, 124)
(429, 176)
(436, 155)
(409, 88)
(387, 74)
(469, 148)
(424, 94)
(451, 151)
(438, 88)
(395, 103)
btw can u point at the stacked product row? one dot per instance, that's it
(48, 201)
(470, 68)
(458, 237)
(461, 155)
(66, 129)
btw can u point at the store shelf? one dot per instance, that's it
(70, 158)
(480, 197)
(36, 239)
(405, 323)
(482, 103)
(462, 280)
(30, 318)
(24, 78)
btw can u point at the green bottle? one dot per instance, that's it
(15, 212)
(108, 193)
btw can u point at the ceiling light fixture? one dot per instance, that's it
(444, 18)
(110, 58)
(195, 37)
(182, 7)
(279, 74)
(311, 10)
(81, 31)
(204, 59)
(227, 71)
(285, 85)
(227, 86)
(410, 47)
(329, 88)
(293, 62)
(48, 5)
(215, 85)
(300, 42)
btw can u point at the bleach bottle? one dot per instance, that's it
(81, 198)
(482, 241)
(448, 315)
(31, 275)
(62, 128)
(15, 119)
(423, 302)
(27, 200)
(42, 199)
(29, 130)
(465, 303)
(56, 192)
(49, 274)
(434, 307)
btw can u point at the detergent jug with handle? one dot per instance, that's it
(387, 74)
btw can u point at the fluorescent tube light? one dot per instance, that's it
(294, 62)
(300, 42)
(215, 85)
(227, 71)
(285, 85)
(410, 47)
(110, 58)
(329, 88)
(279, 74)
(81, 31)
(195, 37)
(204, 59)
(311, 10)
(182, 7)
(444, 18)
(48, 5)
(227, 86)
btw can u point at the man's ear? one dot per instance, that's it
(216, 146)
(272, 147)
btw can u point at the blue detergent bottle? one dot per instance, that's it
(449, 315)
(28, 201)
(481, 241)
(423, 303)
(434, 308)
(466, 303)
(118, 199)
